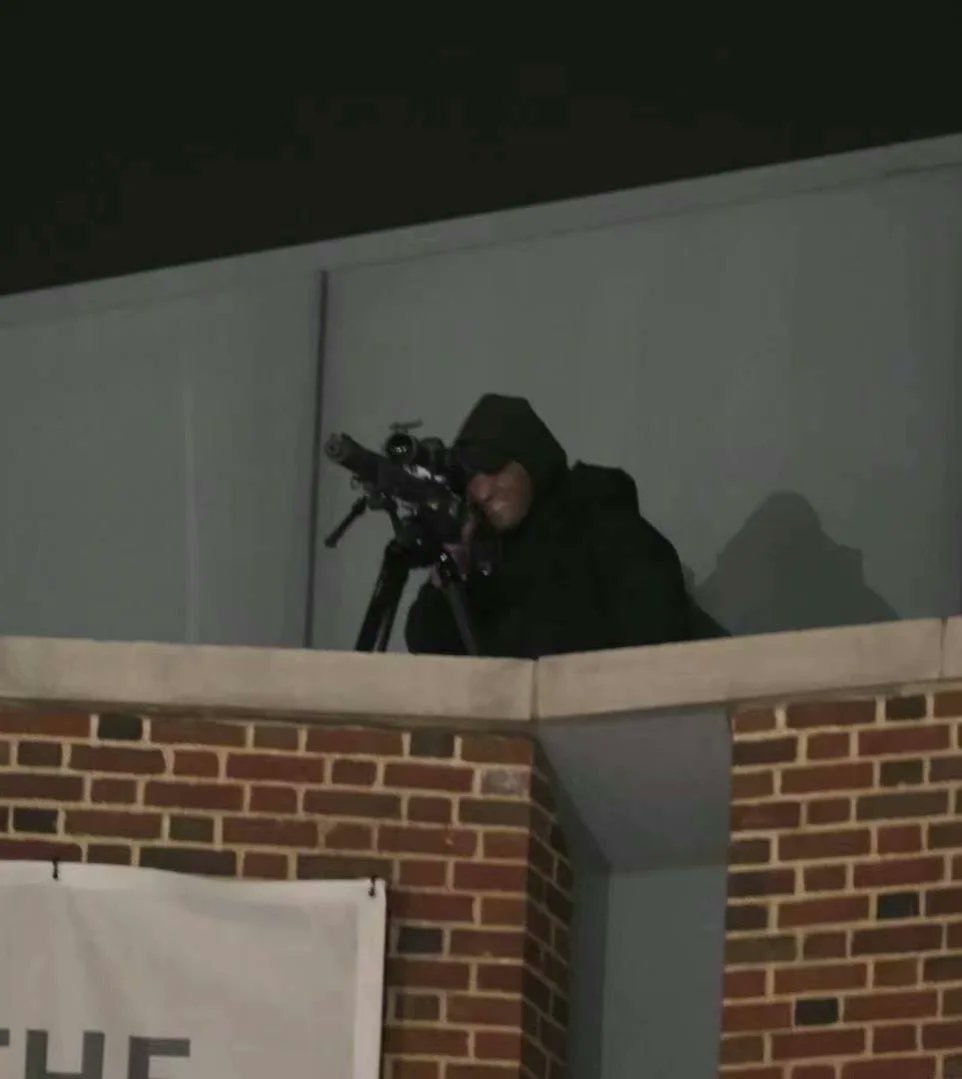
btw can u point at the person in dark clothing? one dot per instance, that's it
(577, 567)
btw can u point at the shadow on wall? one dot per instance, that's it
(782, 572)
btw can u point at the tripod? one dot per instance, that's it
(412, 547)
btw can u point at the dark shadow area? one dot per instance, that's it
(783, 572)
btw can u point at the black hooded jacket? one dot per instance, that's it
(584, 570)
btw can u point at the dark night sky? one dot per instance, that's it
(121, 157)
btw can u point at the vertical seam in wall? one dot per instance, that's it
(190, 511)
(533, 694)
(314, 493)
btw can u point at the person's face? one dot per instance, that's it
(503, 497)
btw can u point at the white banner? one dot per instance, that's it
(119, 973)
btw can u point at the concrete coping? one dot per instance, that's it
(292, 682)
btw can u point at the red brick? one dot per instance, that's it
(273, 800)
(825, 946)
(896, 1039)
(500, 910)
(903, 740)
(948, 704)
(276, 767)
(817, 1043)
(942, 1035)
(109, 854)
(29, 786)
(807, 714)
(761, 882)
(829, 811)
(818, 845)
(117, 759)
(107, 823)
(341, 866)
(497, 1045)
(195, 762)
(754, 721)
(823, 911)
(490, 1071)
(742, 1049)
(744, 983)
(506, 846)
(749, 851)
(501, 977)
(275, 736)
(348, 836)
(771, 1072)
(764, 751)
(491, 749)
(827, 777)
(748, 785)
(428, 777)
(875, 1006)
(355, 741)
(114, 791)
(262, 866)
(194, 795)
(52, 724)
(264, 832)
(943, 901)
(821, 979)
(945, 769)
(215, 863)
(745, 1017)
(196, 732)
(765, 816)
(453, 842)
(35, 754)
(191, 829)
(943, 968)
(39, 850)
(891, 973)
(479, 877)
(354, 773)
(432, 906)
(756, 951)
(912, 804)
(484, 1011)
(417, 874)
(352, 804)
(5, 753)
(414, 1069)
(910, 938)
(952, 1002)
(942, 836)
(427, 974)
(491, 943)
(825, 878)
(904, 871)
(430, 810)
(417, 1007)
(426, 1041)
(820, 747)
(892, 1068)
(900, 839)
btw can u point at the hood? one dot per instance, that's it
(501, 429)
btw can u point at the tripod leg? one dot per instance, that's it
(455, 596)
(378, 621)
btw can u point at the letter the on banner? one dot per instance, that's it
(93, 1057)
(142, 1049)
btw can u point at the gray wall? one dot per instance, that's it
(664, 963)
(155, 461)
(779, 374)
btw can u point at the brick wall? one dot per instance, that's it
(844, 946)
(461, 826)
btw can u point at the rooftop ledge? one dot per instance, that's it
(293, 682)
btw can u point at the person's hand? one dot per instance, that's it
(461, 552)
